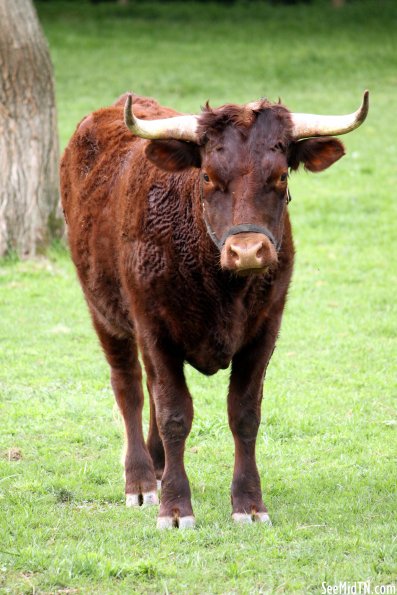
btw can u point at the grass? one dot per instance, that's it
(326, 450)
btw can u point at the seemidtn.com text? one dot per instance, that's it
(358, 588)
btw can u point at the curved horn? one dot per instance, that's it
(306, 125)
(178, 127)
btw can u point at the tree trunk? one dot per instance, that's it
(29, 152)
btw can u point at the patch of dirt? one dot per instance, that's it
(13, 454)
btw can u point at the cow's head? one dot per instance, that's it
(245, 154)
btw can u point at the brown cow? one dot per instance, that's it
(183, 248)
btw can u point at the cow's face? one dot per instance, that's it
(244, 159)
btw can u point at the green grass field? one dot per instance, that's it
(327, 444)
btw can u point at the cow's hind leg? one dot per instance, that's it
(126, 379)
(154, 442)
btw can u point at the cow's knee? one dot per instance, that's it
(245, 424)
(174, 427)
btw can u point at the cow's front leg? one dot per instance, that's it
(244, 410)
(174, 415)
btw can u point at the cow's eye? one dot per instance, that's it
(283, 177)
(206, 178)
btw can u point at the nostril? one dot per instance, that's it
(260, 253)
(234, 252)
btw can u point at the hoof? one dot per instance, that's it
(150, 499)
(187, 522)
(165, 522)
(262, 517)
(132, 500)
(243, 518)
(168, 522)
(145, 499)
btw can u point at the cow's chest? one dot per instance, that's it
(207, 322)
(207, 313)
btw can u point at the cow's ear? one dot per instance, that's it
(316, 154)
(173, 155)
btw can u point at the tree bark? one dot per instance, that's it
(29, 150)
